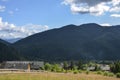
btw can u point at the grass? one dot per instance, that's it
(53, 76)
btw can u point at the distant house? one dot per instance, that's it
(92, 68)
(35, 65)
(104, 67)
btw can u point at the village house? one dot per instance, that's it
(32, 65)
(103, 67)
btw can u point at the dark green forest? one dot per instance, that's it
(71, 42)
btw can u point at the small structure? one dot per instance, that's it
(91, 68)
(105, 67)
(25, 65)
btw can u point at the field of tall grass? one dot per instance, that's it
(53, 76)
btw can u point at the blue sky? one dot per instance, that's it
(21, 18)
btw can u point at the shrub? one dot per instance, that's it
(99, 72)
(87, 72)
(48, 67)
(63, 71)
(97, 67)
(75, 72)
(80, 71)
(69, 70)
(106, 73)
(115, 67)
(118, 75)
(111, 74)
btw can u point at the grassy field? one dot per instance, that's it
(53, 76)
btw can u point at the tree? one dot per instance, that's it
(97, 67)
(47, 67)
(80, 65)
(65, 66)
(56, 68)
(115, 67)
(72, 65)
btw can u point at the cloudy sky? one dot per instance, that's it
(21, 18)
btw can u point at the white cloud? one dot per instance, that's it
(115, 15)
(105, 24)
(115, 9)
(9, 31)
(2, 8)
(94, 7)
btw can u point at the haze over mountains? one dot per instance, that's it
(71, 42)
(12, 40)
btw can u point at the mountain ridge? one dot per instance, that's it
(8, 52)
(71, 42)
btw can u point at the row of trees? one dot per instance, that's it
(65, 66)
(80, 66)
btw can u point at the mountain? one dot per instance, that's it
(12, 40)
(71, 42)
(5, 42)
(7, 52)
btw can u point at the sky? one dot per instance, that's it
(22, 18)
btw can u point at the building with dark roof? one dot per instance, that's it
(33, 65)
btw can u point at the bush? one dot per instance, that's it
(118, 75)
(76, 72)
(115, 67)
(99, 72)
(97, 68)
(48, 67)
(70, 71)
(87, 72)
(80, 71)
(111, 74)
(63, 70)
(56, 68)
(106, 74)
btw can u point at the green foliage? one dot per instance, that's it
(118, 75)
(80, 71)
(91, 64)
(115, 67)
(70, 71)
(65, 66)
(97, 67)
(106, 73)
(56, 68)
(72, 65)
(99, 72)
(85, 66)
(80, 65)
(47, 66)
(42, 68)
(87, 72)
(62, 70)
(76, 72)
(111, 74)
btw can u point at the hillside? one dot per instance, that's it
(7, 52)
(71, 42)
